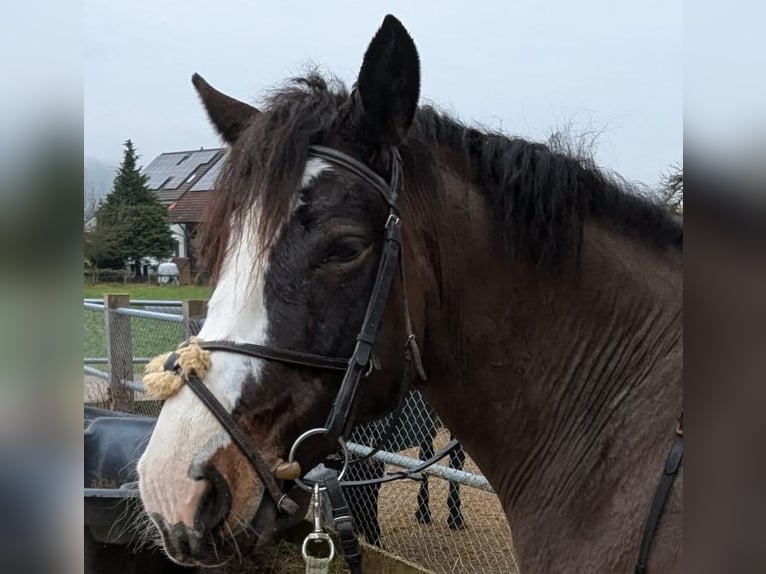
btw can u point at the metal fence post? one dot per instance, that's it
(194, 311)
(119, 352)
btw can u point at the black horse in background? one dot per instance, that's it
(417, 427)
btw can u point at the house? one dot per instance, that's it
(184, 182)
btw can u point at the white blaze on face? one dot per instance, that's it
(186, 433)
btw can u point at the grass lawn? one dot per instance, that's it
(147, 291)
(150, 337)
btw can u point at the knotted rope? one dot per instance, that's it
(165, 374)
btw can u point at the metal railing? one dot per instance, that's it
(141, 313)
(142, 302)
(135, 386)
(436, 470)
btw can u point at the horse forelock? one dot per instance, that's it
(267, 167)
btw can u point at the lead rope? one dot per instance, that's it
(344, 526)
(317, 565)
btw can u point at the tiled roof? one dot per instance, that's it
(169, 195)
(190, 207)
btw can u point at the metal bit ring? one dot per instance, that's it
(293, 449)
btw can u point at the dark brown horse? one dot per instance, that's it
(547, 299)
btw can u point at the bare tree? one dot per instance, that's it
(671, 188)
(582, 144)
(90, 203)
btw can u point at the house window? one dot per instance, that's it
(183, 159)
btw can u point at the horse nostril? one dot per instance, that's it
(215, 504)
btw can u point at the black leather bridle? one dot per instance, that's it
(361, 362)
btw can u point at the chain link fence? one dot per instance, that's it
(118, 345)
(450, 521)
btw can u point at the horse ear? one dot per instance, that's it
(389, 84)
(229, 116)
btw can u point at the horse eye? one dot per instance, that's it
(344, 251)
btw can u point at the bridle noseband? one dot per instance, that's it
(361, 362)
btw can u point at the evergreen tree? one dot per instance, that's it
(131, 223)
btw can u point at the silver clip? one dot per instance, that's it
(318, 535)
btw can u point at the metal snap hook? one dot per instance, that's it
(318, 535)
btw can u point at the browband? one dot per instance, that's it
(362, 171)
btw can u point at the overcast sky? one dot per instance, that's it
(525, 67)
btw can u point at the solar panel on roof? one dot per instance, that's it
(177, 167)
(207, 181)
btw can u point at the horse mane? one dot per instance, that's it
(539, 196)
